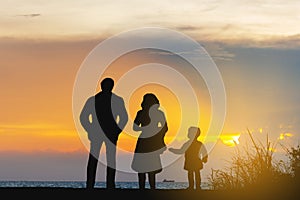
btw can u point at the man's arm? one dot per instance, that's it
(87, 110)
(123, 115)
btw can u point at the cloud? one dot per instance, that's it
(162, 53)
(187, 28)
(218, 52)
(215, 50)
(30, 15)
(288, 42)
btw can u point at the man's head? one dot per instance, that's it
(107, 84)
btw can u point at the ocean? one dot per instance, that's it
(81, 184)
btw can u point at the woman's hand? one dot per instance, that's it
(137, 128)
(162, 150)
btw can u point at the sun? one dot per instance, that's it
(231, 139)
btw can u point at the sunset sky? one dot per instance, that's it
(254, 44)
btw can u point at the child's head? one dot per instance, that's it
(194, 132)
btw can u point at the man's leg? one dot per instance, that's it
(110, 177)
(92, 164)
(111, 165)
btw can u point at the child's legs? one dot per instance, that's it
(191, 179)
(198, 179)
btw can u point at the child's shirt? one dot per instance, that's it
(193, 156)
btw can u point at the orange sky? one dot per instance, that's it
(37, 81)
(36, 103)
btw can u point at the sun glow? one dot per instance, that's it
(230, 139)
(272, 149)
(283, 136)
(39, 137)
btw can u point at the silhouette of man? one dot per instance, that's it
(103, 116)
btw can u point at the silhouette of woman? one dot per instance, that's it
(151, 121)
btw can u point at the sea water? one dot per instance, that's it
(81, 184)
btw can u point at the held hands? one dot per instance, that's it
(162, 150)
(172, 150)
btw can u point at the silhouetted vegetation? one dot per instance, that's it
(294, 162)
(256, 168)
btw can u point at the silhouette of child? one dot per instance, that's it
(195, 155)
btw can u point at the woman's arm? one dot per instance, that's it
(137, 127)
(137, 122)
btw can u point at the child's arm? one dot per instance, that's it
(181, 150)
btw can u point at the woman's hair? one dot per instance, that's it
(149, 100)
